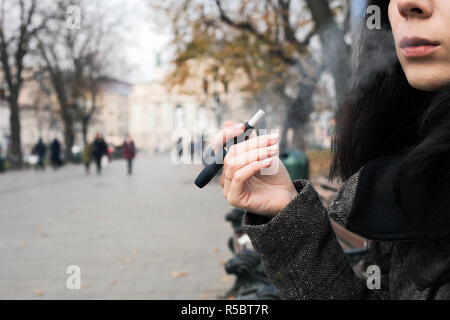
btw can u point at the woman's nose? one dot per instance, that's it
(421, 9)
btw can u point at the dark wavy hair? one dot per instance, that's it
(384, 115)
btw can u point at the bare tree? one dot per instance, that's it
(77, 63)
(15, 42)
(269, 40)
(57, 78)
(91, 77)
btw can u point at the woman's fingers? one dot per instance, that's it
(233, 163)
(237, 187)
(255, 149)
(254, 142)
(226, 134)
(222, 179)
(229, 123)
(231, 130)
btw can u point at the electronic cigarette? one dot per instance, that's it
(211, 170)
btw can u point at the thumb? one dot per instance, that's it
(229, 123)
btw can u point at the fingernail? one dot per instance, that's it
(267, 161)
(229, 123)
(239, 126)
(272, 150)
(273, 137)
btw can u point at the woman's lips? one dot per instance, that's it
(418, 47)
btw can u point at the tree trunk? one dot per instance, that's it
(66, 113)
(298, 116)
(283, 137)
(69, 136)
(332, 40)
(16, 143)
(299, 141)
(85, 127)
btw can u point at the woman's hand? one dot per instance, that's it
(244, 185)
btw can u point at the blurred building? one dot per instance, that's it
(160, 114)
(39, 115)
(38, 122)
(38, 118)
(111, 118)
(157, 113)
(154, 113)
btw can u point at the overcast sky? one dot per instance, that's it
(146, 37)
(143, 40)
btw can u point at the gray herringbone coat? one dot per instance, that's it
(303, 259)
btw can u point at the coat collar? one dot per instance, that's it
(366, 206)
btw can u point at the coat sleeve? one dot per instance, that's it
(300, 252)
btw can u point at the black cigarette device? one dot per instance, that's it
(209, 172)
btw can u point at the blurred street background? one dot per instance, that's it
(149, 236)
(105, 109)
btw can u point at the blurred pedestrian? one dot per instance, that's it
(99, 149)
(86, 156)
(55, 149)
(129, 151)
(109, 153)
(40, 149)
(2, 160)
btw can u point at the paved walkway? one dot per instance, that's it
(153, 235)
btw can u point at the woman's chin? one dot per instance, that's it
(427, 81)
(428, 85)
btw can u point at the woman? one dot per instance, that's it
(87, 156)
(392, 149)
(55, 156)
(40, 149)
(129, 152)
(99, 149)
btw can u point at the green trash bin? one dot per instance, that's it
(76, 154)
(296, 163)
(2, 164)
(76, 158)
